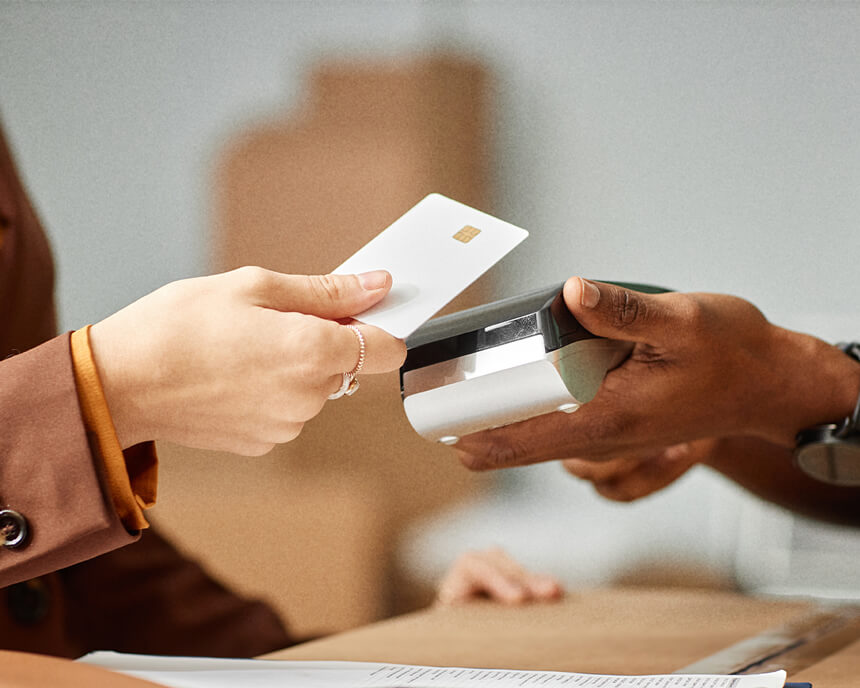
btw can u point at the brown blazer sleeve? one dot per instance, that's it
(47, 471)
(143, 598)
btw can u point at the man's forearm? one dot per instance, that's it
(768, 471)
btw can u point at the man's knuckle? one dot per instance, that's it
(692, 313)
(628, 308)
(504, 455)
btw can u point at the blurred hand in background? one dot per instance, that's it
(492, 574)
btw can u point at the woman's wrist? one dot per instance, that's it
(121, 393)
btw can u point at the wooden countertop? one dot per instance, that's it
(627, 631)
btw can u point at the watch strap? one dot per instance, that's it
(851, 425)
(831, 452)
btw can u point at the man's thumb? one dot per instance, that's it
(611, 311)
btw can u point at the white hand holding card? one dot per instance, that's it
(433, 252)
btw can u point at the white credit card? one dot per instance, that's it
(433, 252)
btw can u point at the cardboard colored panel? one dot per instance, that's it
(625, 631)
(301, 193)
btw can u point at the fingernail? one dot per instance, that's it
(589, 294)
(375, 279)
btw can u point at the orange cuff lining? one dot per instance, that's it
(131, 476)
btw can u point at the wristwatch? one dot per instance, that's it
(831, 452)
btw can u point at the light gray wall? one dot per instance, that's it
(698, 145)
(709, 146)
(704, 146)
(116, 111)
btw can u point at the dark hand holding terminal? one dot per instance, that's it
(709, 380)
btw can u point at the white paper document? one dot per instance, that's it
(192, 672)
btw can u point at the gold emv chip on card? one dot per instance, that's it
(467, 234)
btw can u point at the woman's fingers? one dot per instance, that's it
(383, 352)
(475, 577)
(326, 348)
(537, 586)
(493, 574)
(237, 361)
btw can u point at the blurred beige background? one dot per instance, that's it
(329, 508)
(702, 146)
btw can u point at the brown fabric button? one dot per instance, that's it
(13, 529)
(29, 602)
